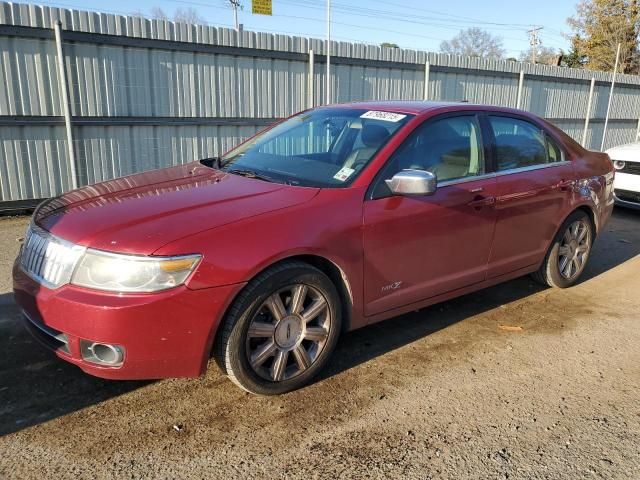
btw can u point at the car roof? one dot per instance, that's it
(417, 107)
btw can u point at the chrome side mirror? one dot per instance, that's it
(413, 182)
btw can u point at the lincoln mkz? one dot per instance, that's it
(333, 219)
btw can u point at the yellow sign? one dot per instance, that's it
(261, 7)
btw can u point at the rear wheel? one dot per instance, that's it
(567, 257)
(281, 330)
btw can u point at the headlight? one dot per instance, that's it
(130, 273)
(618, 164)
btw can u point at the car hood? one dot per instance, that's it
(628, 153)
(141, 213)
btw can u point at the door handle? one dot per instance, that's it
(480, 201)
(564, 185)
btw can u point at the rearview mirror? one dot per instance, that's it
(413, 182)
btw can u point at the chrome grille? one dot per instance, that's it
(632, 168)
(47, 258)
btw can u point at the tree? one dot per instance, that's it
(184, 15)
(158, 14)
(188, 15)
(474, 42)
(389, 45)
(573, 58)
(544, 55)
(598, 27)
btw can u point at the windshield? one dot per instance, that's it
(326, 147)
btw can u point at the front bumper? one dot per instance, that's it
(627, 190)
(165, 334)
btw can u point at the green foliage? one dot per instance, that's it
(598, 27)
(573, 58)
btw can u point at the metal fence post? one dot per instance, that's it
(588, 115)
(613, 83)
(520, 86)
(427, 68)
(328, 97)
(66, 108)
(310, 92)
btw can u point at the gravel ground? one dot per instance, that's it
(446, 392)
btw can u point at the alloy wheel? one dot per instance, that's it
(574, 249)
(288, 332)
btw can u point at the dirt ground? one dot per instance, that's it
(441, 393)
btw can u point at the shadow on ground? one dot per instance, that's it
(617, 243)
(36, 387)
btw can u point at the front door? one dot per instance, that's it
(419, 247)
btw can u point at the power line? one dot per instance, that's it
(389, 14)
(364, 27)
(437, 12)
(377, 14)
(308, 4)
(392, 16)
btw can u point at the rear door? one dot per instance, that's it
(534, 188)
(417, 247)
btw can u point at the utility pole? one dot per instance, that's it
(235, 4)
(328, 52)
(534, 41)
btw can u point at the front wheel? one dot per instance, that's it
(281, 329)
(567, 257)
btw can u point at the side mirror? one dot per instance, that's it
(413, 182)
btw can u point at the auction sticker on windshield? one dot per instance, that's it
(343, 174)
(386, 116)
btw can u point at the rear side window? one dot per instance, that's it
(521, 144)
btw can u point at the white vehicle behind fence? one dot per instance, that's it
(626, 160)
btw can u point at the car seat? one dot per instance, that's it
(372, 137)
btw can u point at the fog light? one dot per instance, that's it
(618, 164)
(102, 353)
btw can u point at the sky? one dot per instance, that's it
(413, 24)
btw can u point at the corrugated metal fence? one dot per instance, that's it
(146, 94)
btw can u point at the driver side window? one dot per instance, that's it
(451, 148)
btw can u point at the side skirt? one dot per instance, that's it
(449, 295)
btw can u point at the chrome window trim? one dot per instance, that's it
(456, 181)
(532, 167)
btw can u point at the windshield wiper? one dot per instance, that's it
(252, 174)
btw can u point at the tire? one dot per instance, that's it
(572, 245)
(269, 347)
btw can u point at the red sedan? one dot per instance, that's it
(333, 219)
